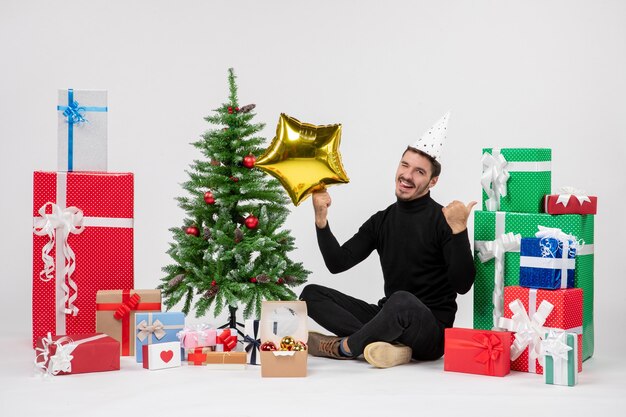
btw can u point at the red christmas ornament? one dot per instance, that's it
(230, 110)
(249, 161)
(253, 280)
(192, 230)
(268, 346)
(213, 283)
(251, 222)
(234, 179)
(208, 198)
(237, 109)
(280, 281)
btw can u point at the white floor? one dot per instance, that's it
(332, 388)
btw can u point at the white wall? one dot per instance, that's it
(514, 74)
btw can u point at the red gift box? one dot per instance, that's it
(567, 315)
(570, 204)
(77, 354)
(82, 243)
(482, 352)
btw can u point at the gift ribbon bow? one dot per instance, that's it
(568, 243)
(127, 306)
(491, 348)
(61, 360)
(487, 250)
(494, 178)
(555, 345)
(66, 221)
(227, 339)
(565, 193)
(252, 343)
(529, 330)
(73, 112)
(155, 328)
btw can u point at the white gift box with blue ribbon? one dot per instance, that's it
(82, 130)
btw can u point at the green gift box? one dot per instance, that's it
(490, 225)
(516, 179)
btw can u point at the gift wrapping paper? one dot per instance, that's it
(566, 315)
(488, 225)
(523, 174)
(252, 341)
(151, 328)
(82, 130)
(482, 352)
(77, 354)
(115, 314)
(82, 243)
(560, 350)
(161, 355)
(557, 204)
(546, 263)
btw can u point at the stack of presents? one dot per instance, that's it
(86, 313)
(533, 294)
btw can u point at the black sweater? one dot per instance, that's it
(418, 253)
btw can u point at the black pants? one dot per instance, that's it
(403, 318)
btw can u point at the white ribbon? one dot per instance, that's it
(61, 361)
(494, 178)
(528, 328)
(146, 330)
(565, 193)
(506, 242)
(65, 220)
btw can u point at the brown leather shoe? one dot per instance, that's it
(386, 355)
(324, 346)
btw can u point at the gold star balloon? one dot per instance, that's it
(304, 157)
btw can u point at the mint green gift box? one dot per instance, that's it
(488, 225)
(530, 178)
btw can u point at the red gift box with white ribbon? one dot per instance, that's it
(82, 243)
(530, 313)
(570, 201)
(77, 354)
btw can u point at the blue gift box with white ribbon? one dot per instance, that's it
(82, 130)
(153, 328)
(547, 263)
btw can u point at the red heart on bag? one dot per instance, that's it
(167, 355)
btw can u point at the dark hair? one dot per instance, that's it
(436, 166)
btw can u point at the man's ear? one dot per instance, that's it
(432, 182)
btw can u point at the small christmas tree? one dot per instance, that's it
(231, 250)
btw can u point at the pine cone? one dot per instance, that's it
(247, 108)
(238, 235)
(290, 279)
(176, 280)
(206, 233)
(211, 292)
(262, 279)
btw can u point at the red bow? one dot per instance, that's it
(125, 308)
(491, 348)
(227, 339)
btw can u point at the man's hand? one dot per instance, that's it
(456, 214)
(321, 202)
